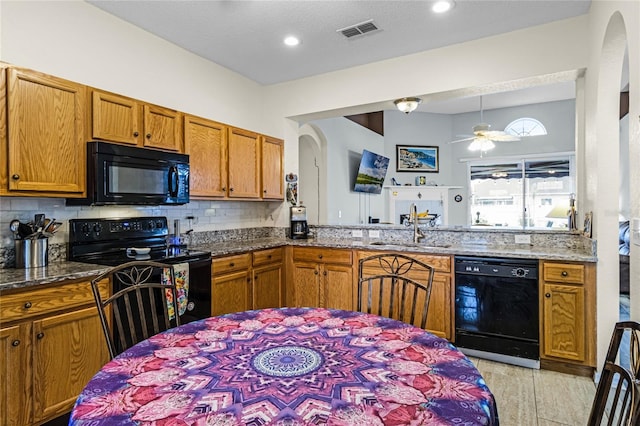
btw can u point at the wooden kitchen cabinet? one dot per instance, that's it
(247, 281)
(205, 142)
(243, 151)
(568, 306)
(322, 278)
(43, 136)
(440, 312)
(120, 119)
(15, 375)
(272, 169)
(54, 344)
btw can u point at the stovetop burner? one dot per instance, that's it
(113, 242)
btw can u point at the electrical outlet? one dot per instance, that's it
(356, 233)
(523, 239)
(374, 233)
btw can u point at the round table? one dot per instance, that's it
(289, 366)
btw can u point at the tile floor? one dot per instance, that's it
(528, 397)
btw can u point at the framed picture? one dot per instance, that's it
(588, 218)
(416, 158)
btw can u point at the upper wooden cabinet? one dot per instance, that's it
(206, 143)
(272, 168)
(121, 119)
(244, 164)
(45, 135)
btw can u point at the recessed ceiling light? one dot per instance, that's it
(291, 41)
(441, 6)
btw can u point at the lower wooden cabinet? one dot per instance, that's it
(321, 278)
(247, 281)
(567, 299)
(52, 345)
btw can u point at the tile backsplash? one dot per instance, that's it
(208, 216)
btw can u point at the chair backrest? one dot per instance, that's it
(395, 286)
(617, 399)
(144, 303)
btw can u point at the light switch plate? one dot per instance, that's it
(356, 233)
(635, 231)
(523, 239)
(374, 233)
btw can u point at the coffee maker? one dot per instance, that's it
(298, 228)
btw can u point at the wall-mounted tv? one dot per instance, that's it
(371, 173)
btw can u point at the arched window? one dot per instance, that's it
(526, 126)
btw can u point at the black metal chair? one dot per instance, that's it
(140, 305)
(395, 286)
(617, 399)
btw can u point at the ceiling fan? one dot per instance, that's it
(483, 138)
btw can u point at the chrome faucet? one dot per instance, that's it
(413, 217)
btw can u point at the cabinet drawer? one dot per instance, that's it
(262, 257)
(222, 265)
(563, 272)
(437, 262)
(306, 254)
(30, 303)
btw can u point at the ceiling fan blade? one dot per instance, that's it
(505, 138)
(464, 140)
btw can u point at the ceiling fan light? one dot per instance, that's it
(481, 144)
(441, 6)
(407, 105)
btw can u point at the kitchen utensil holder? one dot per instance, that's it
(32, 253)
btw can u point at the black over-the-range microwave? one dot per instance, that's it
(119, 174)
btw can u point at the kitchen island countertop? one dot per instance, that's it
(61, 271)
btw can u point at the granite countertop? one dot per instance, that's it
(61, 271)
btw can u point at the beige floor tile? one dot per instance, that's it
(545, 422)
(513, 390)
(563, 398)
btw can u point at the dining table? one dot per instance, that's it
(289, 366)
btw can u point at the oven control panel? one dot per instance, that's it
(85, 230)
(497, 267)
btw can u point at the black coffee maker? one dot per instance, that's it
(298, 228)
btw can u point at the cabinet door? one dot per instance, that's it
(337, 292)
(15, 375)
(439, 316)
(46, 127)
(244, 164)
(230, 293)
(162, 128)
(206, 143)
(564, 325)
(68, 350)
(306, 285)
(272, 168)
(267, 286)
(115, 118)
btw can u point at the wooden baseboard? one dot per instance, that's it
(565, 367)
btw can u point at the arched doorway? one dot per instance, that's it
(312, 154)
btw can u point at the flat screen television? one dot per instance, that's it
(371, 173)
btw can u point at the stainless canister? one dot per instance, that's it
(32, 253)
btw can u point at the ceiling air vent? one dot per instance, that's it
(359, 29)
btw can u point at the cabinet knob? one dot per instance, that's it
(230, 189)
(136, 134)
(547, 295)
(265, 191)
(564, 273)
(15, 343)
(319, 256)
(269, 257)
(255, 277)
(224, 189)
(232, 264)
(324, 273)
(40, 335)
(27, 305)
(315, 272)
(148, 135)
(15, 176)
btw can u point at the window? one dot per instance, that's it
(526, 127)
(528, 193)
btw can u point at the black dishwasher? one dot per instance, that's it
(497, 309)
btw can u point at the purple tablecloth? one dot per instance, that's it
(289, 367)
